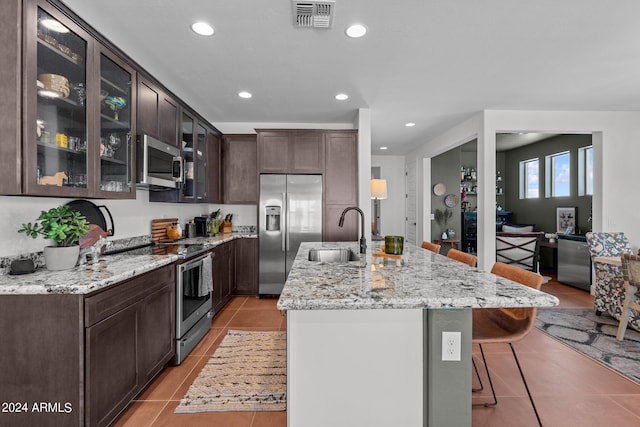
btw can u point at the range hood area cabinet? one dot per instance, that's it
(67, 108)
(158, 112)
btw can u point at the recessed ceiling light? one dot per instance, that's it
(356, 30)
(342, 97)
(410, 124)
(383, 148)
(203, 29)
(54, 25)
(244, 94)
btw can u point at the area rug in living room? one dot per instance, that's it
(595, 337)
(247, 372)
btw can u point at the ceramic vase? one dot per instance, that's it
(61, 258)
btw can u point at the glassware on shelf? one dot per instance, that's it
(115, 103)
(80, 92)
(111, 145)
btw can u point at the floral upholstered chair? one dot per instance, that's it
(609, 281)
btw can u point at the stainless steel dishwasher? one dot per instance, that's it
(574, 262)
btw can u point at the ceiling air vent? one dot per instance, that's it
(313, 14)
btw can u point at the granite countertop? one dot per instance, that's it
(424, 280)
(218, 238)
(109, 270)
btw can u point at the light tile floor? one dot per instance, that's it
(568, 388)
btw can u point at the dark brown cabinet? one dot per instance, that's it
(117, 123)
(168, 126)
(93, 352)
(214, 168)
(240, 169)
(112, 365)
(54, 113)
(348, 232)
(223, 274)
(341, 177)
(10, 91)
(194, 152)
(157, 112)
(246, 282)
(130, 336)
(340, 185)
(75, 108)
(157, 314)
(291, 151)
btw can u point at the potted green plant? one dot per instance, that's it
(64, 226)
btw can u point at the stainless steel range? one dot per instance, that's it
(193, 303)
(194, 284)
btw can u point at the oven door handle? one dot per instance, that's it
(194, 262)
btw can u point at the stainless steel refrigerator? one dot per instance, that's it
(290, 213)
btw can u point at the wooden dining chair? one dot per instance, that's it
(631, 274)
(464, 257)
(431, 247)
(506, 325)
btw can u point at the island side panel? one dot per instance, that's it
(355, 367)
(447, 383)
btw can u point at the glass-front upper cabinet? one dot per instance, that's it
(78, 121)
(58, 151)
(115, 165)
(200, 160)
(188, 124)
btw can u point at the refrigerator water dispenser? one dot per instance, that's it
(273, 218)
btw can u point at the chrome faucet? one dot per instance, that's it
(363, 240)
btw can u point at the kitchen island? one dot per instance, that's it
(364, 342)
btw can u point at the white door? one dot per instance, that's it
(411, 219)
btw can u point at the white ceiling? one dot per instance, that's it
(432, 62)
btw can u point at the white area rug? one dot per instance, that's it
(247, 372)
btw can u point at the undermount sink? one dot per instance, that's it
(342, 255)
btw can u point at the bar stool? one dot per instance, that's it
(431, 247)
(505, 325)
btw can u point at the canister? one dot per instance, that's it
(393, 245)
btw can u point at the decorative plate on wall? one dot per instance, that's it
(451, 200)
(439, 189)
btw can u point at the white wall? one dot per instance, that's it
(364, 169)
(392, 209)
(131, 217)
(616, 142)
(454, 137)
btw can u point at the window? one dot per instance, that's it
(585, 171)
(558, 175)
(529, 179)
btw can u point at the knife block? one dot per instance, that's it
(225, 227)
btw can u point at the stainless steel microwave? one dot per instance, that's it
(158, 163)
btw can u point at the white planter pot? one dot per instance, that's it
(61, 258)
